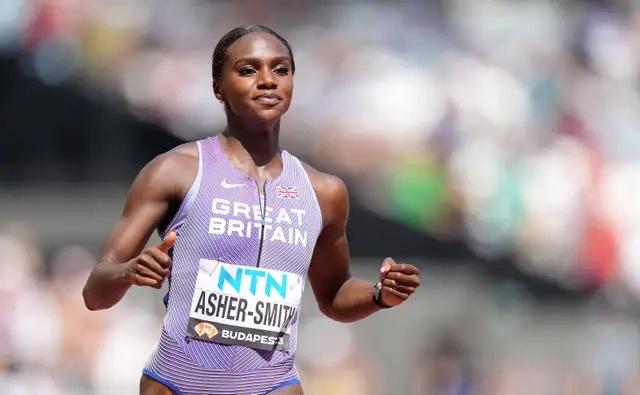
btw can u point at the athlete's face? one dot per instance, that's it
(256, 78)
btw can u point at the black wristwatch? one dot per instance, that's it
(377, 296)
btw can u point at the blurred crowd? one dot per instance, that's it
(458, 338)
(512, 124)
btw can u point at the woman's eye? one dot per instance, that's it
(282, 70)
(246, 71)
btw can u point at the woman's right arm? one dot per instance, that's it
(122, 262)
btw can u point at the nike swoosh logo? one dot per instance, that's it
(227, 186)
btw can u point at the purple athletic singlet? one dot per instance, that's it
(239, 267)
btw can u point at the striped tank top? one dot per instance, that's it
(239, 268)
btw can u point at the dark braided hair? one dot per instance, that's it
(220, 52)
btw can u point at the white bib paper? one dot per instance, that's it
(244, 305)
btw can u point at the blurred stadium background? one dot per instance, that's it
(495, 143)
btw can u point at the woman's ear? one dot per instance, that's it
(217, 92)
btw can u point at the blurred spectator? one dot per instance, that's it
(331, 361)
(30, 325)
(446, 368)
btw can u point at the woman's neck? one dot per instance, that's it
(261, 145)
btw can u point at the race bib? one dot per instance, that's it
(243, 305)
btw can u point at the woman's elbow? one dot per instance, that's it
(333, 314)
(88, 301)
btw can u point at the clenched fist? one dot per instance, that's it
(152, 266)
(399, 281)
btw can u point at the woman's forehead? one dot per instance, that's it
(257, 45)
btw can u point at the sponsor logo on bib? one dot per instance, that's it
(206, 328)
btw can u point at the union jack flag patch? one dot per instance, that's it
(287, 192)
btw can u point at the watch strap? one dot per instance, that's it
(377, 296)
